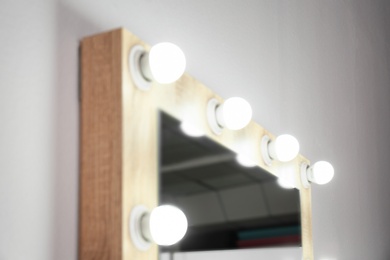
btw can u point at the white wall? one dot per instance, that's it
(316, 69)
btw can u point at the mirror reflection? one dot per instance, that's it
(228, 205)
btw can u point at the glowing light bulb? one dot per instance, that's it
(284, 148)
(167, 225)
(235, 113)
(245, 161)
(190, 129)
(321, 172)
(165, 63)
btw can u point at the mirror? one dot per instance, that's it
(119, 165)
(228, 206)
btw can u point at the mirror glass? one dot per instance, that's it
(228, 206)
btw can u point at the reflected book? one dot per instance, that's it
(269, 237)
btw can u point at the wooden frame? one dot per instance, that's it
(119, 146)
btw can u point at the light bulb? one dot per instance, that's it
(284, 148)
(235, 113)
(321, 172)
(190, 129)
(165, 63)
(167, 225)
(245, 161)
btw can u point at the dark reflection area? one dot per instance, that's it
(228, 206)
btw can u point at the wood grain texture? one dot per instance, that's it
(101, 145)
(118, 151)
(119, 146)
(140, 151)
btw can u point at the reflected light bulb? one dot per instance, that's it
(284, 183)
(321, 172)
(165, 63)
(286, 176)
(167, 225)
(245, 161)
(190, 130)
(235, 113)
(284, 148)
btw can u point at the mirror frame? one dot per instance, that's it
(119, 146)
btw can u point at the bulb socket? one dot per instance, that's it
(271, 150)
(145, 227)
(220, 116)
(212, 107)
(140, 235)
(305, 169)
(139, 67)
(265, 143)
(145, 67)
